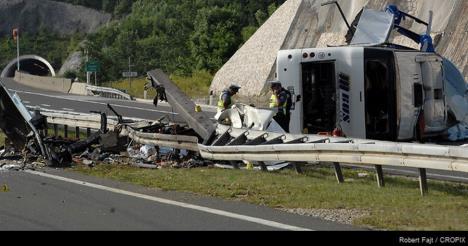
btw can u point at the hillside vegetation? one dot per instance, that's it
(180, 37)
(185, 38)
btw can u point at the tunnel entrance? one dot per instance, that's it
(30, 64)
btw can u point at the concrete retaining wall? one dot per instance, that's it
(78, 89)
(44, 83)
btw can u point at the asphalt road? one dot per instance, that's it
(84, 104)
(69, 201)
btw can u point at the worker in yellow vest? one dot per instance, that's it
(225, 99)
(281, 100)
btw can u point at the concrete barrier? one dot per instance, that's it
(78, 89)
(45, 83)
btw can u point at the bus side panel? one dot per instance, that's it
(351, 102)
(289, 73)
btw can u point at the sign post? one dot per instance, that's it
(93, 67)
(130, 75)
(16, 37)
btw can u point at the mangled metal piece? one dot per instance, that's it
(23, 130)
(242, 116)
(62, 152)
(200, 122)
(17, 123)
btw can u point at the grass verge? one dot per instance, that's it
(398, 206)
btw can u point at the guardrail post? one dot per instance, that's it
(77, 133)
(88, 132)
(298, 167)
(338, 172)
(380, 176)
(65, 131)
(423, 182)
(55, 130)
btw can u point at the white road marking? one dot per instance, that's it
(175, 203)
(46, 105)
(68, 109)
(85, 101)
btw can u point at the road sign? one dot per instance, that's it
(93, 66)
(130, 74)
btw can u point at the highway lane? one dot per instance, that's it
(85, 104)
(62, 200)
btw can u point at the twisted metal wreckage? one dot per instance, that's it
(27, 133)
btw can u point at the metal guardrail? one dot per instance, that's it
(108, 92)
(260, 147)
(93, 121)
(164, 140)
(238, 144)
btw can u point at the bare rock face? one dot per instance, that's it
(304, 24)
(61, 18)
(73, 63)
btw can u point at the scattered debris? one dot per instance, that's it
(31, 148)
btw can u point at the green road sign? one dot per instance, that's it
(93, 66)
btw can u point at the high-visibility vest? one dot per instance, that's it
(221, 101)
(274, 103)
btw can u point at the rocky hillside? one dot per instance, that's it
(60, 18)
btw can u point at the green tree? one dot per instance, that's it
(216, 37)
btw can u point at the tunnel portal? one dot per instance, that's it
(30, 64)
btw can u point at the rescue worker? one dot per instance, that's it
(160, 91)
(281, 100)
(225, 99)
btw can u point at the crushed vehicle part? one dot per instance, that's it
(186, 108)
(243, 116)
(112, 142)
(16, 123)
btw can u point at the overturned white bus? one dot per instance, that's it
(373, 89)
